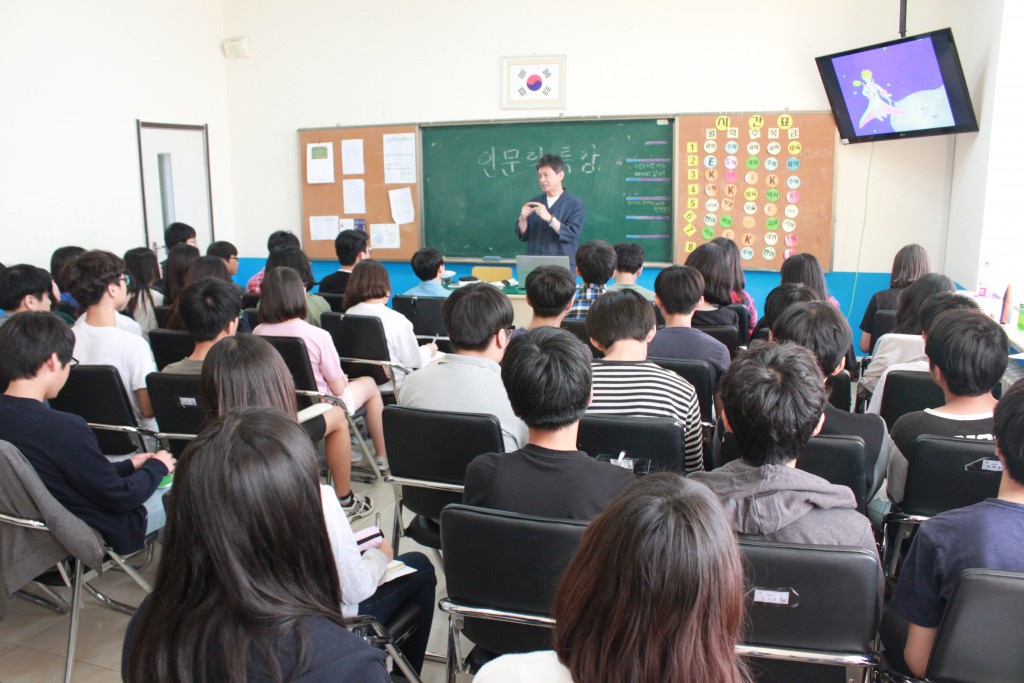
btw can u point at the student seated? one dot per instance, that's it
(804, 269)
(200, 268)
(629, 264)
(967, 355)
(987, 535)
(595, 263)
(296, 259)
(367, 293)
(655, 593)
(712, 262)
(100, 284)
(932, 307)
(209, 311)
(282, 309)
(24, 288)
(546, 373)
(550, 291)
(778, 300)
(739, 293)
(175, 234)
(240, 594)
(61, 257)
(477, 318)
(279, 239)
(175, 269)
(351, 246)
(144, 277)
(228, 253)
(772, 396)
(428, 264)
(904, 343)
(680, 290)
(120, 500)
(625, 383)
(820, 328)
(911, 262)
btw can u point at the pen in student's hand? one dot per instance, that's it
(622, 454)
(376, 520)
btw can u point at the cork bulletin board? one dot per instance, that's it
(762, 179)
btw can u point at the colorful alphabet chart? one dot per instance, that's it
(763, 180)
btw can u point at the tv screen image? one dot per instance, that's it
(905, 88)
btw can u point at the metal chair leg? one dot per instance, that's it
(453, 665)
(76, 602)
(108, 602)
(51, 602)
(398, 526)
(130, 571)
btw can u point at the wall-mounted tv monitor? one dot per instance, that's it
(905, 88)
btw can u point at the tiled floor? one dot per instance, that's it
(33, 640)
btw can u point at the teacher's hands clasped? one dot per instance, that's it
(536, 208)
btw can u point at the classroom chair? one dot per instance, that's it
(908, 391)
(492, 273)
(336, 301)
(884, 322)
(742, 322)
(428, 453)
(175, 400)
(840, 391)
(170, 346)
(162, 312)
(578, 328)
(813, 612)
(979, 637)
(252, 317)
(658, 439)
(727, 334)
(499, 594)
(426, 315)
(943, 473)
(363, 349)
(698, 374)
(250, 300)
(95, 393)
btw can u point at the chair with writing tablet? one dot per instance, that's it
(425, 314)
(175, 400)
(170, 346)
(363, 349)
(95, 393)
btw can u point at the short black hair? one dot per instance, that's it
(620, 314)
(629, 257)
(942, 302)
(679, 288)
(28, 340)
(91, 273)
(819, 327)
(772, 395)
(207, 306)
(547, 375)
(178, 233)
(279, 239)
(425, 263)
(549, 290)
(970, 349)
(713, 263)
(473, 314)
(596, 262)
(1008, 425)
(59, 259)
(21, 280)
(222, 250)
(349, 244)
(552, 161)
(784, 296)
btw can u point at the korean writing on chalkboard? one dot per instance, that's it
(498, 161)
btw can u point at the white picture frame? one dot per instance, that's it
(533, 82)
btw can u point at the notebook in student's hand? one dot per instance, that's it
(396, 569)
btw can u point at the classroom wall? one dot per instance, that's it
(74, 77)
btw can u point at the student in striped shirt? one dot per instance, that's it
(621, 323)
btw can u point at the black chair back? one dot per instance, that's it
(840, 392)
(697, 373)
(358, 336)
(907, 391)
(579, 330)
(884, 323)
(425, 313)
(335, 301)
(296, 358)
(838, 460)
(162, 313)
(175, 400)
(435, 446)
(945, 473)
(170, 346)
(727, 334)
(96, 394)
(795, 596)
(659, 439)
(979, 637)
(252, 316)
(485, 565)
(742, 322)
(250, 300)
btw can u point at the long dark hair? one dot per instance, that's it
(144, 270)
(369, 280)
(179, 258)
(294, 258)
(245, 370)
(804, 269)
(908, 308)
(246, 556)
(655, 592)
(739, 280)
(911, 262)
(713, 263)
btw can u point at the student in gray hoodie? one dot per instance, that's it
(773, 398)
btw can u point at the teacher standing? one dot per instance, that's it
(551, 222)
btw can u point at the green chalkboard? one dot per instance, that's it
(477, 177)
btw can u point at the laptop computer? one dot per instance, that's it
(526, 264)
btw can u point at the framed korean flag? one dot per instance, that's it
(533, 82)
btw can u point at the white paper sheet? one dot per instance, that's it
(385, 236)
(352, 157)
(323, 227)
(353, 192)
(399, 158)
(319, 163)
(401, 205)
(346, 224)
